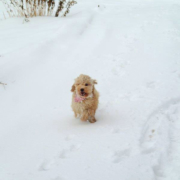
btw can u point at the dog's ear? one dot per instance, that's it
(73, 88)
(94, 81)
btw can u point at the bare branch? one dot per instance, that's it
(69, 4)
(60, 7)
(3, 84)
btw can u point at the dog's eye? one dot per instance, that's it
(86, 84)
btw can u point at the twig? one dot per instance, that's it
(3, 84)
(60, 7)
(68, 6)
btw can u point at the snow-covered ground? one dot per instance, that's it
(132, 48)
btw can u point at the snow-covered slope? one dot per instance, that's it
(132, 49)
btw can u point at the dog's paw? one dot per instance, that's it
(92, 119)
(84, 118)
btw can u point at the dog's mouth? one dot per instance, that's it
(83, 94)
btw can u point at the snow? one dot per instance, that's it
(132, 49)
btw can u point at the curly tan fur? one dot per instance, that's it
(85, 109)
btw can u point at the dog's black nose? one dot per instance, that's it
(82, 89)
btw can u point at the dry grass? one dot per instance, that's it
(32, 8)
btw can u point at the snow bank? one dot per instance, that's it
(132, 49)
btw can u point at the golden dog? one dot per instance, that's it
(85, 98)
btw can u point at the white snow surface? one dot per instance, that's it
(132, 48)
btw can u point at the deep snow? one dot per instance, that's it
(132, 48)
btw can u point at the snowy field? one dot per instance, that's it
(132, 48)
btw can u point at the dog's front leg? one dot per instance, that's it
(75, 114)
(84, 116)
(91, 117)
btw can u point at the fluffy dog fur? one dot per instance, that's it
(85, 109)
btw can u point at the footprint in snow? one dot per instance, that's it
(151, 84)
(115, 130)
(69, 137)
(58, 178)
(179, 76)
(46, 165)
(117, 71)
(66, 152)
(74, 147)
(120, 155)
(63, 154)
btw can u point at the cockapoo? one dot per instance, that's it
(85, 98)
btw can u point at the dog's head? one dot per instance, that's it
(83, 86)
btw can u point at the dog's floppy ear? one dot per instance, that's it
(94, 81)
(73, 88)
